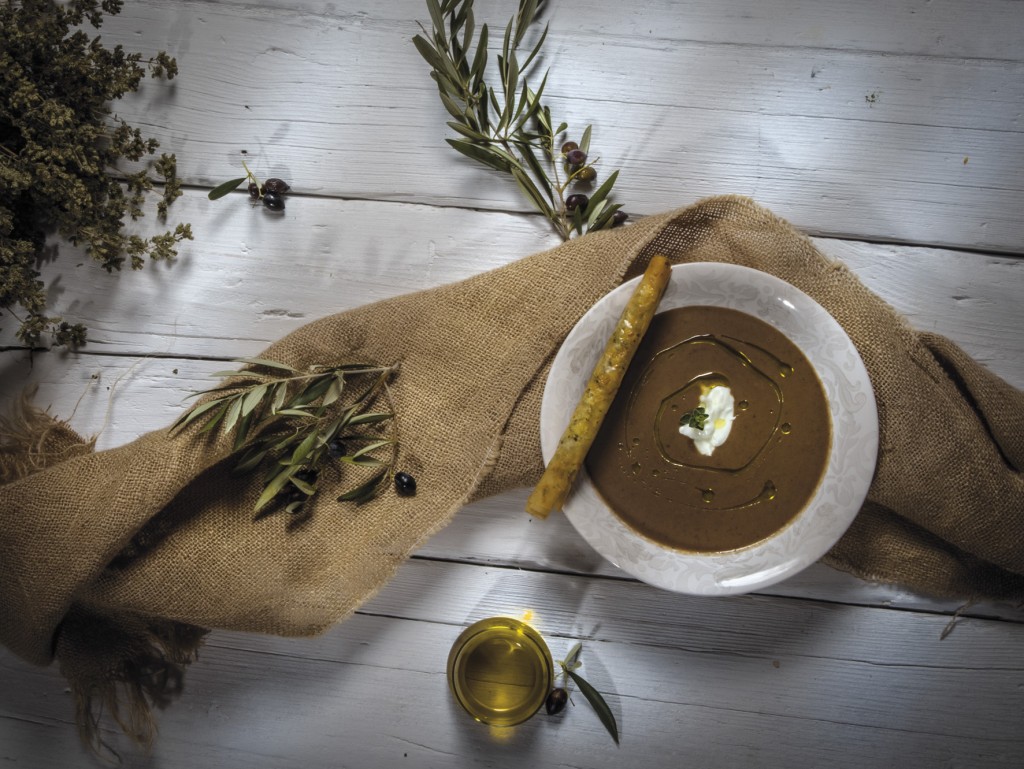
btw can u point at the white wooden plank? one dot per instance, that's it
(720, 680)
(939, 28)
(102, 395)
(973, 299)
(251, 278)
(497, 532)
(985, 29)
(307, 93)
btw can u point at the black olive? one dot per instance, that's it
(273, 201)
(555, 702)
(276, 185)
(254, 190)
(307, 475)
(336, 449)
(619, 217)
(405, 484)
(578, 200)
(576, 157)
(569, 147)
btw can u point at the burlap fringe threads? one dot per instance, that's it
(31, 440)
(123, 667)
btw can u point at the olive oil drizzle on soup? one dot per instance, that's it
(753, 485)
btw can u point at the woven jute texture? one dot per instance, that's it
(115, 561)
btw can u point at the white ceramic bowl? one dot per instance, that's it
(851, 462)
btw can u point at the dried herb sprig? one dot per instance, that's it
(508, 128)
(60, 144)
(559, 695)
(294, 421)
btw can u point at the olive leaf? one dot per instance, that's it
(223, 189)
(365, 492)
(370, 418)
(507, 127)
(269, 364)
(569, 666)
(598, 703)
(571, 661)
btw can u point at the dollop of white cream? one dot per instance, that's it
(719, 405)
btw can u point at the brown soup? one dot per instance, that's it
(753, 485)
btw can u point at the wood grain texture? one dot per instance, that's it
(859, 138)
(326, 256)
(889, 129)
(717, 680)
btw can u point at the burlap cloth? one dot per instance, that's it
(945, 514)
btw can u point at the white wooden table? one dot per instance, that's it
(891, 130)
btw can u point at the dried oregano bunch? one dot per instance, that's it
(508, 128)
(60, 145)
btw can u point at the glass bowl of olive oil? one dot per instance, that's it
(500, 671)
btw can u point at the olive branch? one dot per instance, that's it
(295, 420)
(509, 129)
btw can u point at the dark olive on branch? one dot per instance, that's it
(276, 185)
(273, 201)
(556, 701)
(576, 157)
(578, 200)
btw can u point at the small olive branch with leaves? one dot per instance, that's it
(509, 129)
(299, 419)
(559, 696)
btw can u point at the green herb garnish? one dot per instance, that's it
(695, 418)
(569, 666)
(297, 420)
(508, 128)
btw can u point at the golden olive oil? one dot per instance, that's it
(500, 670)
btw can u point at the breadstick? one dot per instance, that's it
(553, 488)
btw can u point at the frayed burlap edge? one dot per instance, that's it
(123, 667)
(31, 439)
